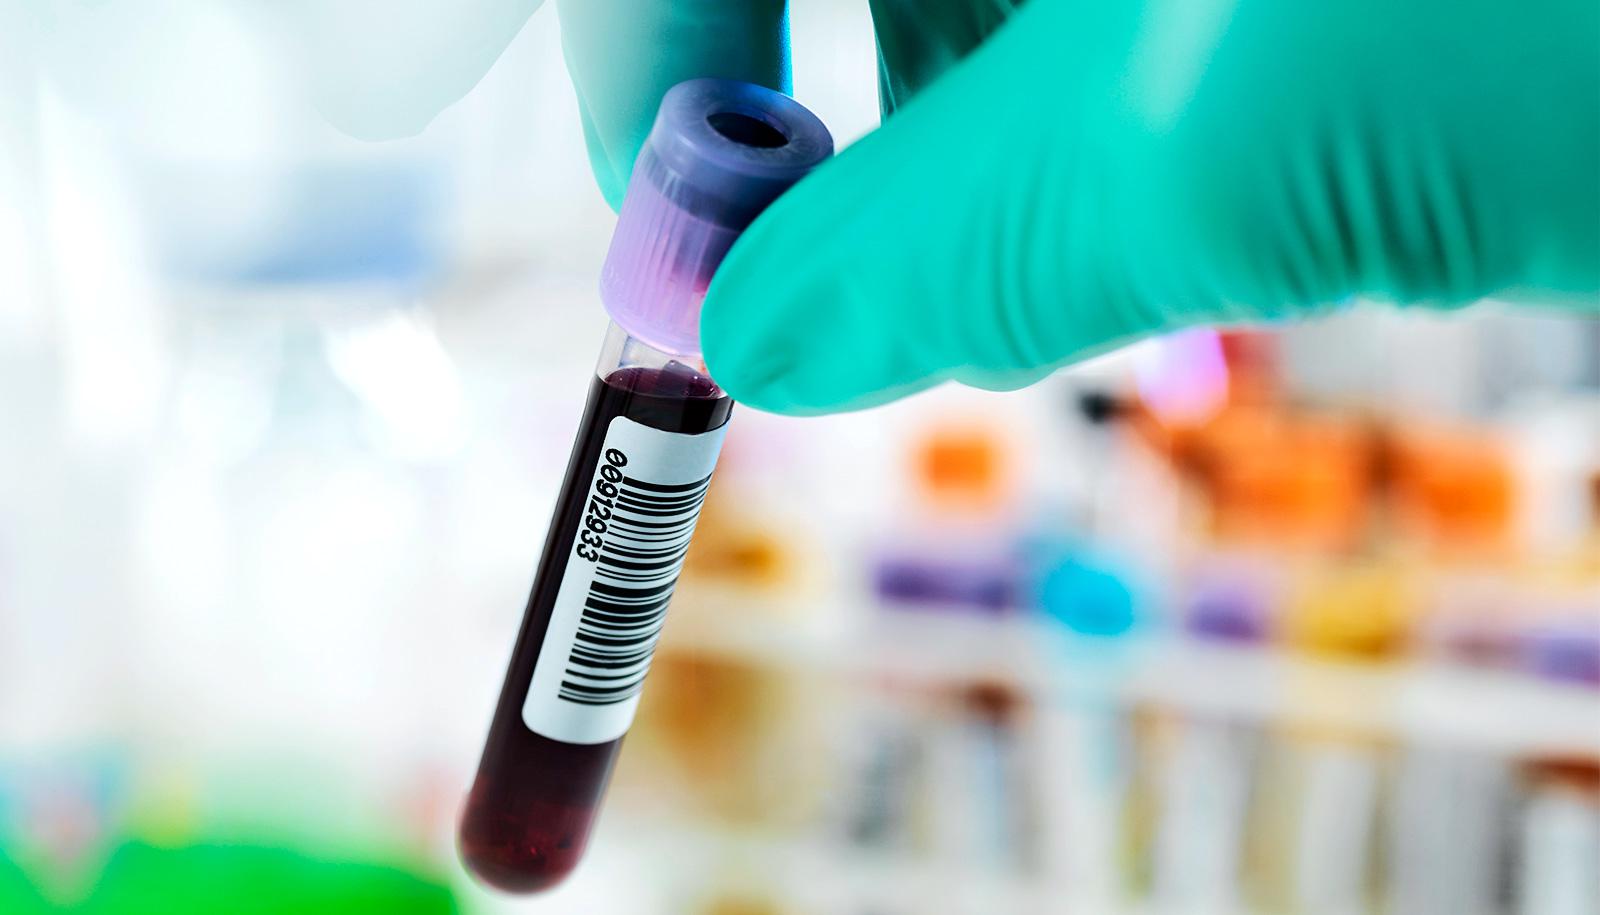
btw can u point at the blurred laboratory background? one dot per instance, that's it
(1281, 621)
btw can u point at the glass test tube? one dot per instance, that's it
(719, 152)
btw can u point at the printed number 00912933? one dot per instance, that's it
(592, 535)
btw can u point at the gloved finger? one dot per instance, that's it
(918, 40)
(380, 69)
(625, 54)
(1098, 172)
(921, 253)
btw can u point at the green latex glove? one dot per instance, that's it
(1095, 172)
(1055, 180)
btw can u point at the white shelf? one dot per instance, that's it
(690, 863)
(812, 874)
(1412, 701)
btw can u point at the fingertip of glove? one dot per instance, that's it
(737, 348)
(613, 186)
(612, 180)
(792, 345)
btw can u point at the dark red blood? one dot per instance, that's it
(528, 816)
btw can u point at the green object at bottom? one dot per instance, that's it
(142, 879)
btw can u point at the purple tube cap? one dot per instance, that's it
(1229, 611)
(1565, 651)
(720, 151)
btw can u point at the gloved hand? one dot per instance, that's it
(1093, 172)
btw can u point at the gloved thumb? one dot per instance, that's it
(1094, 173)
(969, 238)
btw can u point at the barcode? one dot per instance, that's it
(639, 512)
(645, 542)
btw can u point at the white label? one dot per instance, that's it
(639, 513)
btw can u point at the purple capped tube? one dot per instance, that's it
(719, 153)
